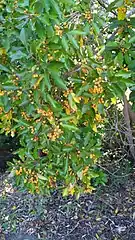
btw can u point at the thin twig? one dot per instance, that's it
(102, 4)
(74, 227)
(129, 14)
(77, 68)
(113, 174)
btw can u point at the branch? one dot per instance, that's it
(103, 4)
(113, 174)
(129, 134)
(77, 68)
(129, 14)
(113, 34)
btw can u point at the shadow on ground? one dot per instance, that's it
(107, 214)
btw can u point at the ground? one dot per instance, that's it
(106, 214)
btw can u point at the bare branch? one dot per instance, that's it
(129, 131)
(105, 4)
(113, 34)
(129, 14)
(102, 4)
(77, 68)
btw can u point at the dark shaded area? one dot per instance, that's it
(7, 147)
(107, 214)
(5, 156)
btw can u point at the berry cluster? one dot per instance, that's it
(66, 93)
(48, 114)
(15, 79)
(88, 16)
(53, 135)
(97, 89)
(67, 108)
(25, 116)
(19, 171)
(98, 118)
(122, 10)
(93, 157)
(58, 31)
(30, 177)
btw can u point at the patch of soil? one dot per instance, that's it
(107, 214)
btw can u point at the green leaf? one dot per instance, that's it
(58, 81)
(23, 36)
(3, 68)
(67, 2)
(4, 100)
(36, 96)
(89, 50)
(18, 55)
(65, 43)
(49, 31)
(52, 101)
(67, 149)
(40, 29)
(39, 6)
(96, 28)
(131, 65)
(56, 8)
(46, 5)
(6, 44)
(46, 82)
(69, 127)
(123, 74)
(117, 91)
(21, 122)
(87, 139)
(24, 103)
(119, 59)
(73, 41)
(127, 81)
(132, 21)
(65, 192)
(101, 108)
(66, 166)
(24, 3)
(132, 39)
(115, 4)
(9, 88)
(45, 20)
(127, 58)
(7, 107)
(112, 45)
(42, 177)
(67, 118)
(71, 102)
(55, 67)
(77, 32)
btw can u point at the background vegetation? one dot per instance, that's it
(62, 64)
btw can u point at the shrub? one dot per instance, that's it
(56, 78)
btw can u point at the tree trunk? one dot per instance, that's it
(129, 118)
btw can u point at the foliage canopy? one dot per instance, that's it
(61, 64)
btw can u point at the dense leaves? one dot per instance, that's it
(59, 69)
